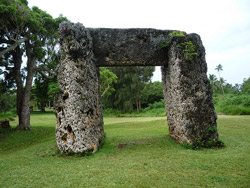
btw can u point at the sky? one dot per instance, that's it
(224, 25)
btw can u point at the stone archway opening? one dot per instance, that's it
(187, 91)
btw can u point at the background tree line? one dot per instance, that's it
(228, 98)
(132, 89)
(28, 57)
(29, 54)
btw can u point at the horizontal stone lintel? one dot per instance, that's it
(129, 47)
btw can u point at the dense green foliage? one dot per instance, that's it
(7, 101)
(30, 32)
(177, 34)
(235, 101)
(152, 92)
(228, 99)
(156, 109)
(246, 86)
(107, 78)
(129, 88)
(40, 92)
(232, 104)
(166, 43)
(188, 49)
(219, 68)
(138, 153)
(9, 116)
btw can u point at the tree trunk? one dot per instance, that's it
(130, 107)
(222, 88)
(43, 105)
(137, 106)
(24, 123)
(17, 59)
(221, 84)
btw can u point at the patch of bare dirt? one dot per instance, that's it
(131, 144)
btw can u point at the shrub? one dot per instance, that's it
(236, 110)
(111, 112)
(155, 105)
(177, 34)
(7, 102)
(7, 116)
(232, 104)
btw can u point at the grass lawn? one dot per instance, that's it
(138, 153)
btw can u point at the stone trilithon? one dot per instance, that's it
(187, 92)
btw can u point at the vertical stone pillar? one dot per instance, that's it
(78, 106)
(187, 92)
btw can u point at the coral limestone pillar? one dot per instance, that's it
(77, 106)
(187, 92)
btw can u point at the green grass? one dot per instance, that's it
(156, 109)
(138, 153)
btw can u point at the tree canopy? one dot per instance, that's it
(32, 33)
(246, 86)
(129, 88)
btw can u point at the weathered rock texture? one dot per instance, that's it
(78, 106)
(187, 93)
(129, 47)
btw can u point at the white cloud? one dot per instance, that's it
(222, 24)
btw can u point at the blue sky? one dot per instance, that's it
(224, 25)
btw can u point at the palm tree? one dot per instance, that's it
(213, 80)
(219, 68)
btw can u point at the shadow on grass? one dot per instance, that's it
(42, 113)
(13, 139)
(135, 124)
